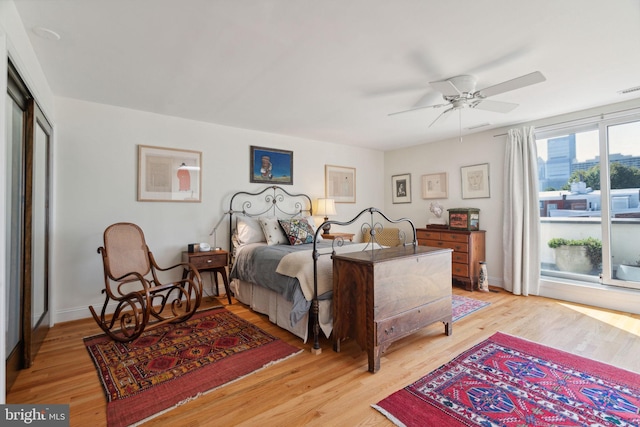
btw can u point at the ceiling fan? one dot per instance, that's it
(460, 92)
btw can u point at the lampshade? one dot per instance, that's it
(326, 207)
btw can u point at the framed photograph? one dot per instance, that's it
(340, 183)
(271, 166)
(475, 181)
(401, 188)
(169, 175)
(435, 186)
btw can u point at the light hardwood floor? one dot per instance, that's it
(332, 389)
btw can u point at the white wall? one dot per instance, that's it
(95, 172)
(448, 156)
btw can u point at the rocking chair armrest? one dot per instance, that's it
(133, 273)
(187, 268)
(146, 285)
(184, 265)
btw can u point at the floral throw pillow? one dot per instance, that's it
(298, 231)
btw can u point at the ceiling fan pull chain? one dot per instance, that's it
(460, 123)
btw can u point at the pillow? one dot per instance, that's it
(298, 230)
(272, 231)
(312, 222)
(248, 230)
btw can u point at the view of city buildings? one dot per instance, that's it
(555, 172)
(561, 163)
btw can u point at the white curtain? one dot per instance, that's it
(521, 214)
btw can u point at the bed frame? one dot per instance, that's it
(273, 200)
(276, 201)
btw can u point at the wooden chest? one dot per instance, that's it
(468, 250)
(380, 296)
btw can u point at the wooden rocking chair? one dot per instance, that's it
(132, 282)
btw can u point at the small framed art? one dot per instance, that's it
(271, 166)
(475, 181)
(435, 186)
(401, 188)
(169, 175)
(340, 183)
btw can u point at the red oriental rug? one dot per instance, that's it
(173, 364)
(507, 381)
(463, 306)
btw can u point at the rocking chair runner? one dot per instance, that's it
(131, 280)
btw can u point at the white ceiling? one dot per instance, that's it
(332, 70)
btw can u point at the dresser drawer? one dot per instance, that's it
(428, 235)
(458, 269)
(395, 327)
(457, 247)
(461, 257)
(434, 243)
(454, 237)
(209, 261)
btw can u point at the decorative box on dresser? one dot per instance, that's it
(382, 295)
(468, 250)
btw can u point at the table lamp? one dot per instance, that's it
(326, 207)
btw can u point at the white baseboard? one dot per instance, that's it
(69, 314)
(596, 295)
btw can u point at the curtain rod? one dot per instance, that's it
(570, 123)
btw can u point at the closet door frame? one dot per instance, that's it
(32, 268)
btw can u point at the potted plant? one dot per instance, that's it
(577, 255)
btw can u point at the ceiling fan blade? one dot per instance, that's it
(429, 98)
(495, 106)
(442, 116)
(517, 83)
(446, 88)
(417, 108)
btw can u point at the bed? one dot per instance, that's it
(281, 266)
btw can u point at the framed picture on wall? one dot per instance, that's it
(340, 183)
(435, 186)
(169, 175)
(271, 166)
(401, 188)
(475, 181)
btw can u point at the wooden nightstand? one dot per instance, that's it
(333, 236)
(214, 261)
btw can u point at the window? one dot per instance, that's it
(589, 186)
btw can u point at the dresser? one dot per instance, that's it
(468, 250)
(382, 295)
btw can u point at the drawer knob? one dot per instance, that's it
(389, 331)
(209, 261)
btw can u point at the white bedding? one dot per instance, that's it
(278, 309)
(300, 266)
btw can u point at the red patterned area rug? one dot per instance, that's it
(172, 364)
(507, 381)
(463, 306)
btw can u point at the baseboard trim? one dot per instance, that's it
(596, 295)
